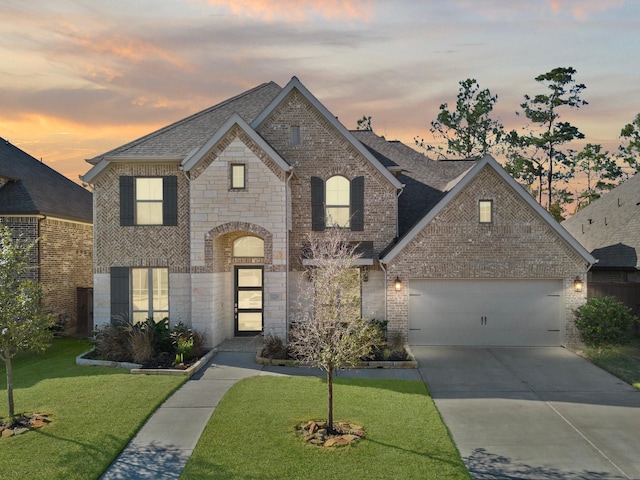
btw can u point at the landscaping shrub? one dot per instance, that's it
(111, 342)
(273, 347)
(149, 343)
(604, 321)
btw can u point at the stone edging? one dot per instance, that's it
(373, 364)
(136, 368)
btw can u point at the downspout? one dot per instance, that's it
(385, 288)
(286, 262)
(397, 236)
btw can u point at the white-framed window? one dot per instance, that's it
(148, 201)
(238, 176)
(149, 294)
(248, 246)
(338, 207)
(485, 211)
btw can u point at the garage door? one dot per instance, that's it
(486, 312)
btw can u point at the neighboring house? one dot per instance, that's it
(609, 228)
(36, 202)
(205, 220)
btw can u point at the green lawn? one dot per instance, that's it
(622, 361)
(251, 434)
(95, 411)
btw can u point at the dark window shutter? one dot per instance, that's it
(357, 204)
(126, 201)
(317, 204)
(170, 201)
(119, 292)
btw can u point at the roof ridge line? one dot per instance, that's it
(171, 126)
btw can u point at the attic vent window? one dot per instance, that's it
(295, 135)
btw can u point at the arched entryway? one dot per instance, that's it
(248, 285)
(239, 254)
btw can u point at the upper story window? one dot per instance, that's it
(485, 211)
(338, 202)
(148, 200)
(238, 176)
(248, 246)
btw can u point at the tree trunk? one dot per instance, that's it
(330, 400)
(7, 363)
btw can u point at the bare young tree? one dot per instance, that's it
(328, 331)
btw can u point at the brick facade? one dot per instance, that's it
(62, 260)
(324, 152)
(139, 246)
(518, 244)
(66, 259)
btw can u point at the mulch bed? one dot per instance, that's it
(315, 433)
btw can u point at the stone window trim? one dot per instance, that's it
(128, 201)
(238, 176)
(485, 211)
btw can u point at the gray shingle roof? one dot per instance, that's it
(424, 179)
(36, 188)
(180, 138)
(610, 227)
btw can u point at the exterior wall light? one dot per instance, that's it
(578, 284)
(398, 284)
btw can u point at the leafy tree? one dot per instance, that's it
(328, 331)
(364, 124)
(601, 171)
(537, 155)
(629, 151)
(468, 130)
(23, 325)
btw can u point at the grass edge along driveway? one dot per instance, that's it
(251, 433)
(95, 411)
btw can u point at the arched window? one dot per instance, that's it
(248, 246)
(338, 207)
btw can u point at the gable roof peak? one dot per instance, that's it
(296, 84)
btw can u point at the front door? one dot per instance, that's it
(248, 300)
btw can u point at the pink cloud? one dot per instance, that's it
(583, 9)
(298, 10)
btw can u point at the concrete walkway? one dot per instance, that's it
(519, 413)
(161, 448)
(534, 413)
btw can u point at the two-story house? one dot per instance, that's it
(204, 222)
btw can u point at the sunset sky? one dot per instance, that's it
(78, 78)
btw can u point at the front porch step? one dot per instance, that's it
(241, 344)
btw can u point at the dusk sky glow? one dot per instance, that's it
(78, 78)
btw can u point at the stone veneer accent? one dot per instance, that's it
(518, 244)
(219, 215)
(324, 152)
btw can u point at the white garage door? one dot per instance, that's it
(486, 312)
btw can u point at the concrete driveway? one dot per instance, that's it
(534, 413)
